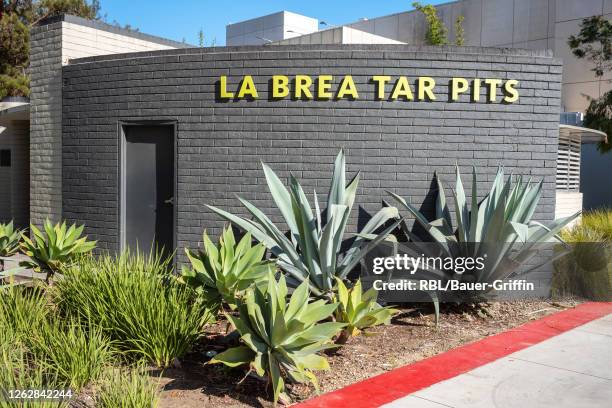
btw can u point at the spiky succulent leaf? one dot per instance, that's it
(281, 338)
(313, 252)
(55, 248)
(500, 225)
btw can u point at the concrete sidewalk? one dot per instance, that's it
(573, 369)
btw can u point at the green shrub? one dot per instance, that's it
(223, 272)
(124, 388)
(586, 271)
(359, 310)
(132, 298)
(54, 249)
(281, 339)
(74, 352)
(18, 371)
(24, 310)
(9, 242)
(313, 253)
(593, 226)
(18, 368)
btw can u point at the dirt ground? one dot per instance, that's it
(412, 337)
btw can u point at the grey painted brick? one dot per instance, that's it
(397, 145)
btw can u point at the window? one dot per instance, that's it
(568, 163)
(5, 158)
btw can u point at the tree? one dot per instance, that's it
(16, 19)
(594, 44)
(436, 30)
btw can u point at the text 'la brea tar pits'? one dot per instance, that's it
(384, 87)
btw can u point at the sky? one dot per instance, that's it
(182, 19)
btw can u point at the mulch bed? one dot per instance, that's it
(412, 337)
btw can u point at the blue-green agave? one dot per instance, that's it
(313, 251)
(499, 226)
(280, 337)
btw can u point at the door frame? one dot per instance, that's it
(121, 125)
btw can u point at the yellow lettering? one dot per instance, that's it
(324, 86)
(492, 85)
(380, 80)
(347, 88)
(425, 85)
(510, 90)
(280, 86)
(458, 86)
(302, 86)
(223, 94)
(247, 88)
(402, 88)
(476, 90)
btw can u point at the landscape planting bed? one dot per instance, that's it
(412, 337)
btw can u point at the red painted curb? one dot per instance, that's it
(402, 381)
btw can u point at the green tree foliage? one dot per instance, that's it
(594, 44)
(459, 31)
(436, 30)
(16, 19)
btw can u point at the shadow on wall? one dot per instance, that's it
(595, 178)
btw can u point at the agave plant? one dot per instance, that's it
(222, 272)
(9, 242)
(359, 310)
(52, 250)
(499, 228)
(313, 252)
(281, 339)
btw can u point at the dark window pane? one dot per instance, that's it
(5, 158)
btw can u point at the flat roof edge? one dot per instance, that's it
(99, 25)
(447, 49)
(587, 135)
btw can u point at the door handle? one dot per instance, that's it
(169, 201)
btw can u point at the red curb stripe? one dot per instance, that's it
(402, 381)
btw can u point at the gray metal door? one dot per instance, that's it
(149, 188)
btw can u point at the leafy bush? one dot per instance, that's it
(593, 226)
(359, 310)
(74, 352)
(136, 303)
(313, 253)
(587, 270)
(223, 272)
(9, 242)
(499, 226)
(127, 389)
(281, 339)
(55, 249)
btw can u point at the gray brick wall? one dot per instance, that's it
(45, 123)
(397, 145)
(52, 44)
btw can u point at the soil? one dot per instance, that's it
(411, 337)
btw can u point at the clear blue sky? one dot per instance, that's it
(182, 19)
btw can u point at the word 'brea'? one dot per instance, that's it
(385, 87)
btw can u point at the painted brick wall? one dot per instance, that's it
(397, 145)
(52, 45)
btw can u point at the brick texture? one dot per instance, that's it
(396, 145)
